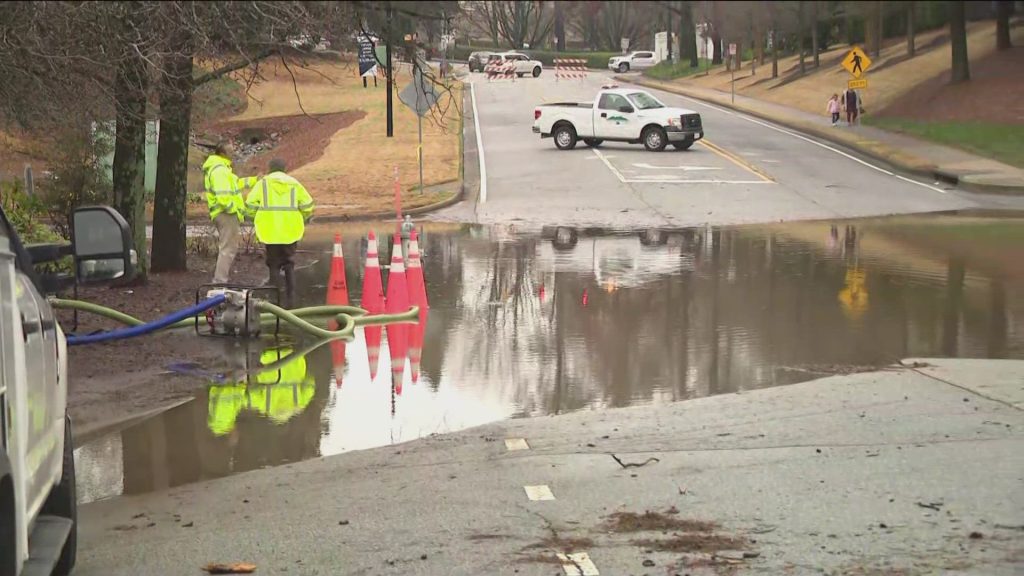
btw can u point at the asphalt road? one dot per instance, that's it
(894, 472)
(746, 171)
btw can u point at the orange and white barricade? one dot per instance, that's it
(570, 68)
(500, 72)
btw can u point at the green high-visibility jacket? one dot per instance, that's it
(281, 206)
(223, 188)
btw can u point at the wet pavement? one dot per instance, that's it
(560, 320)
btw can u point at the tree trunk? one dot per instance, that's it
(559, 27)
(1004, 8)
(688, 35)
(171, 197)
(958, 42)
(880, 34)
(871, 40)
(801, 25)
(129, 165)
(814, 33)
(775, 53)
(911, 49)
(716, 40)
(759, 39)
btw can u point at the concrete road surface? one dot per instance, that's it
(906, 471)
(745, 171)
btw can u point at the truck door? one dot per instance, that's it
(615, 119)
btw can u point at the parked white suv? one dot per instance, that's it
(38, 506)
(632, 61)
(523, 64)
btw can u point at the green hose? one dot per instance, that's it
(348, 317)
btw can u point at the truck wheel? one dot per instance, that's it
(623, 68)
(536, 71)
(565, 137)
(593, 142)
(684, 145)
(654, 138)
(63, 502)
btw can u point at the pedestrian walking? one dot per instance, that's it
(227, 209)
(281, 206)
(851, 104)
(833, 109)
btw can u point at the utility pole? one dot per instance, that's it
(390, 71)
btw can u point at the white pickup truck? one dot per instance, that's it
(620, 115)
(37, 468)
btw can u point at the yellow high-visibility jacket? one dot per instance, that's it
(225, 403)
(223, 187)
(281, 206)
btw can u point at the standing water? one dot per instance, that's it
(530, 324)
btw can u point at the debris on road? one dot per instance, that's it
(235, 568)
(634, 464)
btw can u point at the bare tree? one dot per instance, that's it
(814, 33)
(911, 10)
(960, 70)
(1004, 9)
(515, 22)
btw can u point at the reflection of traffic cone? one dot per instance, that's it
(337, 295)
(397, 301)
(586, 297)
(372, 302)
(417, 286)
(416, 344)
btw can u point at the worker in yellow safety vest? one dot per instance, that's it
(227, 210)
(281, 206)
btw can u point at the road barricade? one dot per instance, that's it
(570, 68)
(500, 72)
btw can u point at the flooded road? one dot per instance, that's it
(530, 324)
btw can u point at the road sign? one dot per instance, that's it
(857, 84)
(856, 62)
(367, 59)
(732, 49)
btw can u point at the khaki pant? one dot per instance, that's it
(229, 233)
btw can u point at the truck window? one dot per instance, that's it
(612, 102)
(645, 101)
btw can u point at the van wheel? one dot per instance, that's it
(654, 138)
(593, 142)
(536, 71)
(623, 68)
(565, 137)
(63, 502)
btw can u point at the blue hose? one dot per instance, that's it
(122, 333)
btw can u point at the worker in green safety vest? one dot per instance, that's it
(227, 209)
(280, 206)
(278, 393)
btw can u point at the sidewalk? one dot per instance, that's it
(911, 470)
(933, 161)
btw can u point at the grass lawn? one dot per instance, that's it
(670, 71)
(1003, 142)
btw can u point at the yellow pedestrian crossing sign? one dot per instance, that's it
(856, 62)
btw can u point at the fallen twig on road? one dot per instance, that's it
(634, 464)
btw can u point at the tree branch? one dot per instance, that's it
(214, 74)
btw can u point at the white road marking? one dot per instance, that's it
(685, 168)
(513, 444)
(578, 564)
(770, 161)
(674, 180)
(812, 141)
(542, 492)
(479, 145)
(609, 165)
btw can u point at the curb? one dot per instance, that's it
(931, 171)
(389, 214)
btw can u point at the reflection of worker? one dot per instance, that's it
(854, 296)
(224, 200)
(281, 206)
(278, 393)
(285, 391)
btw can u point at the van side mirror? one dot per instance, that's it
(102, 245)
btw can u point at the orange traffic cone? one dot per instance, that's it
(397, 301)
(372, 302)
(417, 286)
(337, 295)
(416, 344)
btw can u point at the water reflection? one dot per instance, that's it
(570, 319)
